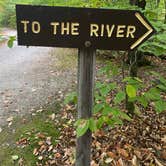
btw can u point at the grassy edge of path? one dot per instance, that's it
(27, 128)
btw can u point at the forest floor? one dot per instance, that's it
(47, 136)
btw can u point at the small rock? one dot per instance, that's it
(17, 110)
(52, 116)
(33, 90)
(9, 124)
(40, 110)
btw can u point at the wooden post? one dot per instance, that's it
(86, 70)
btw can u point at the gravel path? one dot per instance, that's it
(29, 77)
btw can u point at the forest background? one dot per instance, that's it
(154, 10)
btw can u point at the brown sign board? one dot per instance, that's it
(73, 27)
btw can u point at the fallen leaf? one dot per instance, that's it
(43, 148)
(22, 141)
(35, 152)
(50, 148)
(40, 110)
(134, 161)
(120, 162)
(122, 152)
(40, 135)
(52, 116)
(9, 119)
(53, 162)
(57, 155)
(15, 157)
(163, 139)
(93, 163)
(33, 90)
(41, 143)
(40, 158)
(20, 162)
(157, 162)
(17, 110)
(138, 154)
(10, 123)
(163, 154)
(48, 140)
(108, 160)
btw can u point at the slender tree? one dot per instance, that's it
(158, 3)
(133, 58)
(139, 3)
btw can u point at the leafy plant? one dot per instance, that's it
(11, 41)
(71, 97)
(111, 112)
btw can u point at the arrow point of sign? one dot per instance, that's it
(148, 27)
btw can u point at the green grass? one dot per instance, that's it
(29, 129)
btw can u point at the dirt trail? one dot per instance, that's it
(29, 77)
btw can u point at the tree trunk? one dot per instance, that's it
(158, 2)
(133, 2)
(165, 12)
(133, 61)
(139, 3)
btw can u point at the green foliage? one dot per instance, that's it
(82, 126)
(152, 94)
(71, 97)
(155, 13)
(131, 91)
(156, 45)
(11, 41)
(92, 125)
(98, 107)
(33, 126)
(160, 106)
(120, 96)
(7, 17)
(109, 69)
(110, 113)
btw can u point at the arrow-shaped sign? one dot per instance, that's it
(75, 27)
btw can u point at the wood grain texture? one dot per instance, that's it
(86, 75)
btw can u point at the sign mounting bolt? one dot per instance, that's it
(88, 44)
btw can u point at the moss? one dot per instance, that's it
(66, 59)
(29, 129)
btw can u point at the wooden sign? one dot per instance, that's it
(75, 27)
